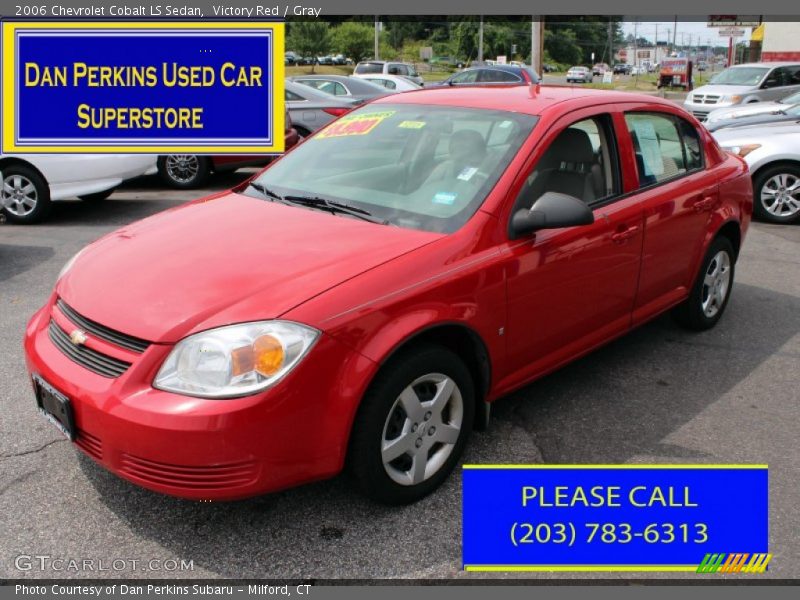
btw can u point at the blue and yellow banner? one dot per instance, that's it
(150, 87)
(671, 518)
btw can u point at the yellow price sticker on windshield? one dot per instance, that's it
(412, 124)
(354, 125)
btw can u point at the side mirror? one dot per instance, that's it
(552, 210)
(771, 82)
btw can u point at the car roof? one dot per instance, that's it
(528, 99)
(510, 68)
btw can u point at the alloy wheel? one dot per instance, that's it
(422, 429)
(716, 283)
(182, 168)
(780, 195)
(19, 196)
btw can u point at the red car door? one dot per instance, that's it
(678, 195)
(574, 288)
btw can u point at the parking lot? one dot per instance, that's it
(659, 394)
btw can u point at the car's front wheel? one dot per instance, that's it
(184, 171)
(777, 194)
(412, 425)
(712, 289)
(25, 197)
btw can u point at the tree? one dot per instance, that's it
(563, 46)
(354, 40)
(310, 38)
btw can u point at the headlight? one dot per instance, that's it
(732, 99)
(68, 265)
(233, 361)
(743, 150)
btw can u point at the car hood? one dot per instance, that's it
(227, 259)
(721, 90)
(746, 110)
(759, 133)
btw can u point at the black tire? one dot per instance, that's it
(189, 172)
(21, 177)
(381, 411)
(767, 179)
(98, 196)
(693, 313)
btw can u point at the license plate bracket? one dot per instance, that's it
(55, 407)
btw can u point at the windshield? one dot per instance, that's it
(362, 68)
(793, 99)
(740, 76)
(420, 167)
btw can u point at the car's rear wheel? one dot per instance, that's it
(776, 193)
(98, 196)
(25, 197)
(412, 425)
(184, 171)
(712, 289)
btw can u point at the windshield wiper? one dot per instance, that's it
(334, 207)
(265, 191)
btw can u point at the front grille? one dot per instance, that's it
(699, 115)
(216, 477)
(101, 364)
(711, 99)
(102, 332)
(90, 444)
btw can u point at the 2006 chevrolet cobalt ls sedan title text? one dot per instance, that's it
(364, 299)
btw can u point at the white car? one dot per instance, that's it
(750, 110)
(395, 83)
(385, 67)
(582, 74)
(772, 151)
(32, 181)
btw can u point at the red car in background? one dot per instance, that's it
(187, 171)
(362, 301)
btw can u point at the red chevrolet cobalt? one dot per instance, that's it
(363, 300)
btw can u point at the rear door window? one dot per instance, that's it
(665, 146)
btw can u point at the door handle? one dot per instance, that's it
(705, 203)
(626, 234)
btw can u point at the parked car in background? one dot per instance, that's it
(325, 60)
(744, 111)
(702, 66)
(187, 171)
(622, 69)
(340, 59)
(772, 151)
(491, 75)
(579, 75)
(394, 83)
(743, 84)
(31, 182)
(343, 86)
(310, 109)
(549, 68)
(638, 70)
(374, 67)
(789, 114)
(447, 61)
(363, 300)
(600, 68)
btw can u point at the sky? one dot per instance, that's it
(695, 29)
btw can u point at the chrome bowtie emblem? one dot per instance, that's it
(78, 337)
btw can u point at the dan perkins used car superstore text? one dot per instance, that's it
(166, 10)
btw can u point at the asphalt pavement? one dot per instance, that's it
(660, 394)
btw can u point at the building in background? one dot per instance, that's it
(780, 40)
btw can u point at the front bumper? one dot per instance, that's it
(202, 449)
(700, 110)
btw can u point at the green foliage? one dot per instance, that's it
(309, 38)
(563, 46)
(355, 40)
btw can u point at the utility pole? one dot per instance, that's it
(537, 34)
(655, 52)
(377, 38)
(610, 43)
(480, 41)
(674, 32)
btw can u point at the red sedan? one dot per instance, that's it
(365, 299)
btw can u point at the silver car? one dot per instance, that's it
(772, 152)
(343, 86)
(311, 109)
(744, 84)
(754, 109)
(387, 67)
(579, 74)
